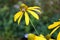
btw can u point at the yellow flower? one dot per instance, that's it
(55, 24)
(24, 9)
(58, 37)
(41, 37)
(34, 37)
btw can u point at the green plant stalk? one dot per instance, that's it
(34, 27)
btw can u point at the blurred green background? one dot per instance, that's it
(10, 30)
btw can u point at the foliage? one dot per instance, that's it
(12, 31)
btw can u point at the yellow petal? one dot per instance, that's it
(31, 36)
(51, 39)
(34, 7)
(20, 18)
(34, 37)
(54, 30)
(23, 4)
(41, 37)
(33, 14)
(17, 15)
(35, 10)
(58, 37)
(26, 18)
(55, 24)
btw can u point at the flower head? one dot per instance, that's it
(34, 37)
(41, 37)
(24, 9)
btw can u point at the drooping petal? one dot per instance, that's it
(35, 10)
(20, 18)
(58, 37)
(33, 14)
(17, 15)
(54, 30)
(35, 7)
(55, 24)
(26, 18)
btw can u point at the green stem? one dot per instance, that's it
(34, 27)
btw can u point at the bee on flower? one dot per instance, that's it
(24, 10)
